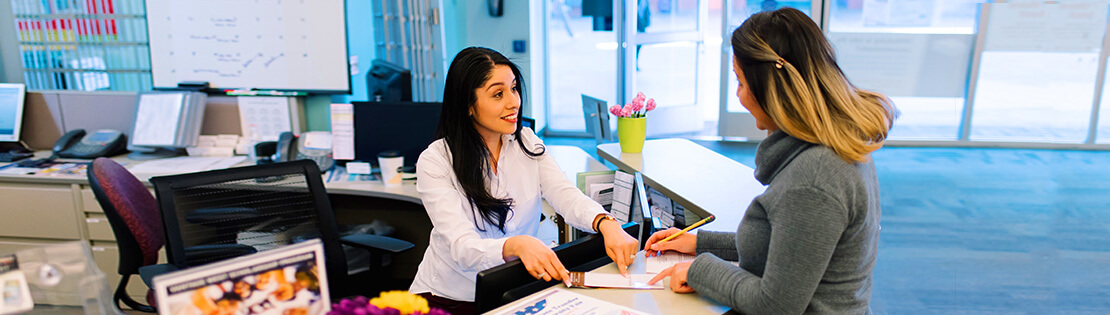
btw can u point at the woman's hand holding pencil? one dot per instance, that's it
(674, 239)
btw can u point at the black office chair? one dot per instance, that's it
(511, 281)
(258, 208)
(133, 214)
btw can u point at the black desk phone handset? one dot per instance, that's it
(314, 145)
(79, 145)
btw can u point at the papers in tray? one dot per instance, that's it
(611, 189)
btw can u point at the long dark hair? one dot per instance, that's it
(792, 72)
(469, 71)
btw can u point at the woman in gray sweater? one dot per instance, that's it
(808, 243)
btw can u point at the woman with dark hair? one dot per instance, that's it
(482, 182)
(808, 243)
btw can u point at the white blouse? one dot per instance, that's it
(458, 250)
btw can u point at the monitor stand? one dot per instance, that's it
(154, 153)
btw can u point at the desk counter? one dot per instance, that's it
(42, 210)
(702, 181)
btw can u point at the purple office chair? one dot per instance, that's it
(133, 214)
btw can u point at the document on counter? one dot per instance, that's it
(593, 279)
(341, 174)
(656, 264)
(562, 301)
(185, 164)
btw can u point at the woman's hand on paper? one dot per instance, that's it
(537, 257)
(678, 277)
(620, 246)
(686, 243)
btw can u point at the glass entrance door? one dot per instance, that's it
(667, 58)
(735, 121)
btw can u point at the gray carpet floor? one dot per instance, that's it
(983, 231)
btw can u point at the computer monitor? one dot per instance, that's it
(597, 119)
(388, 82)
(394, 126)
(641, 210)
(11, 110)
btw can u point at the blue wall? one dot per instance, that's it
(360, 43)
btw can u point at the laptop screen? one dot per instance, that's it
(11, 110)
(287, 280)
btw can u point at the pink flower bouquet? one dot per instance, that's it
(638, 108)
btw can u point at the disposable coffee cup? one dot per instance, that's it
(390, 163)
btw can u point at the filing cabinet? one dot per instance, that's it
(38, 211)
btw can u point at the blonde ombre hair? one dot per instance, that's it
(792, 72)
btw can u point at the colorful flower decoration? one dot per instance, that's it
(388, 303)
(638, 108)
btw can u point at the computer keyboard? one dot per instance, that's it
(14, 156)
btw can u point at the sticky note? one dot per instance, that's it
(358, 168)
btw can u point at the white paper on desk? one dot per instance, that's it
(622, 196)
(184, 164)
(343, 131)
(226, 140)
(560, 301)
(340, 174)
(594, 279)
(656, 264)
(359, 168)
(227, 162)
(264, 118)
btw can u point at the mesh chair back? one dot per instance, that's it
(216, 215)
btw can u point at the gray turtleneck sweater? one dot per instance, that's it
(807, 244)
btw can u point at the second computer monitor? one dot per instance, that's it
(398, 126)
(597, 119)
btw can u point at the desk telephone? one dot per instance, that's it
(79, 145)
(314, 145)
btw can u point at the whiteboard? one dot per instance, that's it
(296, 45)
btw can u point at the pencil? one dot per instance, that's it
(688, 228)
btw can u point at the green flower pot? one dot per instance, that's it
(631, 133)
